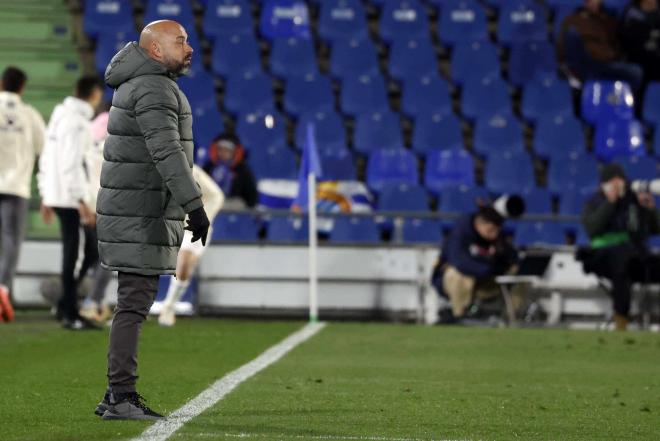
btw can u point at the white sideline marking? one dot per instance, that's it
(163, 429)
(319, 437)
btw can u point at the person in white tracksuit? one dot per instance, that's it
(21, 141)
(190, 252)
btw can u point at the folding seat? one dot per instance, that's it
(462, 21)
(448, 169)
(353, 229)
(235, 55)
(616, 7)
(177, 10)
(403, 197)
(500, 178)
(391, 167)
(199, 87)
(477, 59)
(539, 234)
(556, 5)
(412, 59)
(619, 138)
(108, 17)
(403, 19)
(422, 231)
(374, 131)
(656, 141)
(529, 59)
(426, 95)
(521, 21)
(501, 132)
(328, 129)
(248, 93)
(435, 131)
(207, 125)
(337, 165)
(651, 109)
(352, 58)
(235, 228)
(227, 17)
(605, 100)
(259, 131)
(308, 94)
(462, 199)
(637, 167)
(573, 175)
(292, 57)
(364, 94)
(108, 45)
(546, 96)
(284, 19)
(538, 200)
(274, 163)
(572, 203)
(559, 136)
(485, 97)
(561, 12)
(288, 229)
(342, 20)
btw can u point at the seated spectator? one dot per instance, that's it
(641, 36)
(589, 46)
(226, 165)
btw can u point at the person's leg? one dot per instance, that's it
(67, 307)
(628, 72)
(91, 251)
(13, 212)
(459, 288)
(613, 264)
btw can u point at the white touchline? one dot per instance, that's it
(163, 429)
(315, 437)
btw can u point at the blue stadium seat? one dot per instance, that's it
(546, 96)
(484, 97)
(235, 55)
(380, 130)
(651, 109)
(391, 167)
(199, 87)
(462, 21)
(434, 131)
(177, 10)
(284, 19)
(637, 167)
(477, 59)
(556, 5)
(342, 20)
(616, 7)
(605, 100)
(539, 233)
(619, 138)
(521, 21)
(351, 58)
(261, 130)
(654, 243)
(448, 169)
(529, 59)
(499, 178)
(421, 231)
(538, 200)
(573, 175)
(364, 94)
(403, 19)
(559, 136)
(235, 227)
(288, 229)
(403, 197)
(248, 93)
(412, 59)
(292, 57)
(561, 12)
(463, 199)
(656, 141)
(274, 163)
(108, 17)
(308, 94)
(498, 133)
(207, 124)
(571, 203)
(353, 229)
(227, 17)
(108, 45)
(328, 129)
(426, 95)
(337, 165)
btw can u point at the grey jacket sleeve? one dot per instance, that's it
(156, 112)
(595, 217)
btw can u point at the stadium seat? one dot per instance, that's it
(527, 60)
(102, 17)
(235, 227)
(484, 97)
(292, 57)
(499, 178)
(342, 20)
(227, 17)
(199, 87)
(448, 169)
(656, 141)
(108, 45)
(261, 130)
(638, 167)
(207, 124)
(353, 229)
(391, 167)
(380, 130)
(403, 19)
(556, 5)
(605, 100)
(619, 138)
(561, 12)
(463, 199)
(546, 96)
(477, 59)
(433, 131)
(616, 7)
(235, 55)
(352, 58)
(462, 21)
(403, 197)
(497, 134)
(572, 203)
(521, 21)
(651, 109)
(274, 163)
(426, 95)
(308, 94)
(421, 231)
(364, 94)
(539, 233)
(538, 200)
(337, 165)
(559, 136)
(579, 174)
(248, 93)
(288, 229)
(177, 10)
(284, 19)
(412, 59)
(328, 128)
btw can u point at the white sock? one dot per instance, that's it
(175, 292)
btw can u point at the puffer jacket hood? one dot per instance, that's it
(131, 62)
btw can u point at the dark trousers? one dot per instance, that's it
(13, 211)
(67, 307)
(135, 295)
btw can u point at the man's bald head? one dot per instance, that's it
(166, 41)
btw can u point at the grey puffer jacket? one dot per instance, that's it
(146, 181)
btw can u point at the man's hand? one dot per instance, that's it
(47, 214)
(87, 215)
(646, 200)
(198, 224)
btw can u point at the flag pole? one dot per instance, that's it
(313, 276)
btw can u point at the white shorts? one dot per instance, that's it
(194, 247)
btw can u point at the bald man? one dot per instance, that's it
(147, 189)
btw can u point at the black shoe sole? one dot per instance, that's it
(109, 416)
(100, 409)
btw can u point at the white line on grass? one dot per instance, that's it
(163, 429)
(315, 437)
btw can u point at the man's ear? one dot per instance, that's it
(155, 49)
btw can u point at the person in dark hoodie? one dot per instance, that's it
(147, 189)
(640, 33)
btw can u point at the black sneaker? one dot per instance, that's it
(103, 405)
(129, 406)
(79, 324)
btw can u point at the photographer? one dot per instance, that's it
(618, 222)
